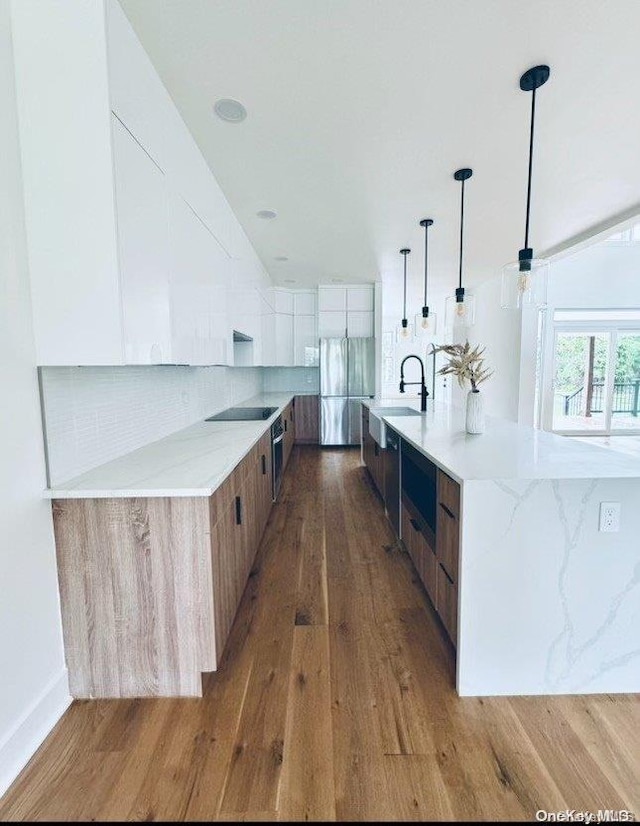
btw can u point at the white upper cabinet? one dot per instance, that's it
(283, 301)
(141, 208)
(305, 341)
(332, 299)
(133, 248)
(360, 299)
(360, 325)
(345, 311)
(332, 323)
(139, 98)
(305, 302)
(198, 263)
(284, 339)
(62, 95)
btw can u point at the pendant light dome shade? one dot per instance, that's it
(404, 332)
(425, 321)
(460, 309)
(524, 282)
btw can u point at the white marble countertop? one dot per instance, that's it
(505, 450)
(193, 461)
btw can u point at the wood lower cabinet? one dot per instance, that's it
(372, 453)
(307, 420)
(416, 539)
(448, 552)
(447, 603)
(150, 586)
(436, 558)
(288, 422)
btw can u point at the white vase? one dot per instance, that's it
(475, 412)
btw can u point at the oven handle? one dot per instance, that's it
(278, 439)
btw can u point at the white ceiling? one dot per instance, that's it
(359, 111)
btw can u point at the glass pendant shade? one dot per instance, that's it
(459, 313)
(404, 332)
(524, 288)
(425, 325)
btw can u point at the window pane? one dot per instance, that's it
(579, 381)
(625, 406)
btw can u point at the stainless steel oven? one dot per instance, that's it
(277, 437)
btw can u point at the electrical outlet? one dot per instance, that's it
(609, 517)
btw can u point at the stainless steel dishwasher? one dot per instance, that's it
(392, 479)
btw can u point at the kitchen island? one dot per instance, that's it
(546, 602)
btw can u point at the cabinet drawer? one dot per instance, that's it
(430, 571)
(449, 493)
(447, 542)
(410, 534)
(447, 603)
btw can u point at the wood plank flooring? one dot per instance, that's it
(335, 701)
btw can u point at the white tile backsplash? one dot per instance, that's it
(95, 414)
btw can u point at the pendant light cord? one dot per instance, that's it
(404, 312)
(533, 118)
(461, 231)
(426, 253)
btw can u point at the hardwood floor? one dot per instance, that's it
(335, 701)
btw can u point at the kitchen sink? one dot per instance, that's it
(243, 414)
(377, 426)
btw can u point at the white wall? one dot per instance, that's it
(33, 685)
(95, 414)
(499, 331)
(392, 351)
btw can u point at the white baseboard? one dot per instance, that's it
(28, 733)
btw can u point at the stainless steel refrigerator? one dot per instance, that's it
(347, 375)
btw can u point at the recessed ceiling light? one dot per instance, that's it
(230, 110)
(266, 214)
(281, 258)
(289, 281)
(337, 280)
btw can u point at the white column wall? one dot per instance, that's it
(33, 682)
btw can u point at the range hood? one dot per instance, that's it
(238, 336)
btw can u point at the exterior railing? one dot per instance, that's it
(626, 399)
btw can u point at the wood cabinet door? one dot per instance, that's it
(265, 484)
(429, 570)
(449, 493)
(288, 423)
(223, 553)
(447, 603)
(307, 419)
(447, 541)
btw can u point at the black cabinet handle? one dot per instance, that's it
(285, 425)
(264, 465)
(446, 510)
(415, 525)
(238, 510)
(445, 572)
(376, 449)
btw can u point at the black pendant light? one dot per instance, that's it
(525, 281)
(426, 321)
(404, 333)
(461, 310)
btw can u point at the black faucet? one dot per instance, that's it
(423, 387)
